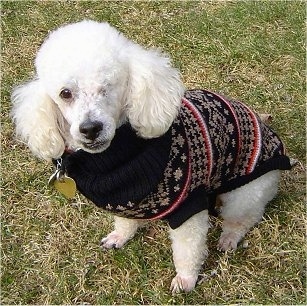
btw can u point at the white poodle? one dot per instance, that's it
(97, 91)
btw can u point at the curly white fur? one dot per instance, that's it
(90, 80)
(111, 80)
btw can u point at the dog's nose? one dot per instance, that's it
(90, 129)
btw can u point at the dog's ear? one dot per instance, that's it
(38, 120)
(154, 93)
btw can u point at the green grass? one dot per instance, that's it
(254, 51)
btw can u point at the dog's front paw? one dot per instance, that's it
(113, 240)
(183, 283)
(228, 241)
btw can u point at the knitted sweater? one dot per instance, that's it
(214, 145)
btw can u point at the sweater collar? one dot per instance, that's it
(126, 171)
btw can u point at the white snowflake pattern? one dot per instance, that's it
(178, 174)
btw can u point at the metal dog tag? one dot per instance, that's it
(66, 186)
(61, 182)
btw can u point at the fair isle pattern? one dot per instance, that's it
(250, 148)
(215, 141)
(257, 142)
(198, 137)
(224, 138)
(270, 142)
(256, 138)
(239, 141)
(221, 136)
(173, 188)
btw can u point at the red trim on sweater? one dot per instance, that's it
(181, 197)
(257, 140)
(205, 133)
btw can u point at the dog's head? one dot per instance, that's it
(90, 80)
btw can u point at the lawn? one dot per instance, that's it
(253, 51)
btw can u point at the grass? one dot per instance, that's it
(254, 51)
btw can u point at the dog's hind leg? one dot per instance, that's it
(124, 230)
(189, 251)
(244, 207)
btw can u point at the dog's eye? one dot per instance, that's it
(66, 94)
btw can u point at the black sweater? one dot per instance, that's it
(215, 145)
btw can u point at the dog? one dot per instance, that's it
(142, 146)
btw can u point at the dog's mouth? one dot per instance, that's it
(97, 146)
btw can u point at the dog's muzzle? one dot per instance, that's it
(91, 131)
